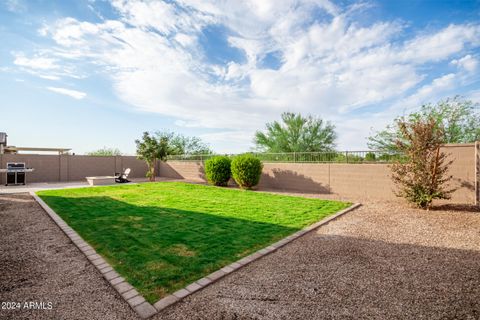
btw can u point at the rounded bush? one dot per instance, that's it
(217, 170)
(246, 170)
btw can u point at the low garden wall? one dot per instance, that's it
(368, 180)
(62, 168)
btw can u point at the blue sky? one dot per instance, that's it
(88, 74)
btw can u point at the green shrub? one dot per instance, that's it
(246, 170)
(345, 157)
(422, 174)
(421, 196)
(217, 170)
(370, 156)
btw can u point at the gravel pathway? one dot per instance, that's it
(39, 264)
(382, 261)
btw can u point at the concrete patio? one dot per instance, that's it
(37, 186)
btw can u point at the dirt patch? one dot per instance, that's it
(182, 250)
(157, 265)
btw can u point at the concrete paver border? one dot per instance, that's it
(136, 301)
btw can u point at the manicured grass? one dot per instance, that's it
(163, 236)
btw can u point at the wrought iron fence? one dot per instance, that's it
(307, 157)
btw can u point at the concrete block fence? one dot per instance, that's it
(367, 180)
(65, 168)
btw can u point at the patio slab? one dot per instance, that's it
(37, 186)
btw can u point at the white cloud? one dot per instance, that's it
(468, 63)
(437, 89)
(328, 67)
(68, 92)
(223, 140)
(48, 77)
(157, 14)
(48, 65)
(440, 45)
(37, 62)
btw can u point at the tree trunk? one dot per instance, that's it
(153, 170)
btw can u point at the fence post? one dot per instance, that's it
(346, 156)
(477, 173)
(63, 167)
(294, 157)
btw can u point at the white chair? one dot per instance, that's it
(122, 177)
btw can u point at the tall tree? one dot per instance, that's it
(181, 144)
(105, 152)
(459, 118)
(296, 133)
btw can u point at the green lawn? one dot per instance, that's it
(163, 236)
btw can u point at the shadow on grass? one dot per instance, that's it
(158, 249)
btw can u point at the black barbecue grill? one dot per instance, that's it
(16, 173)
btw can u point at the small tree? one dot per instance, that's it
(181, 144)
(105, 152)
(157, 146)
(152, 148)
(422, 176)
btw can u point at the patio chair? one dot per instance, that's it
(122, 177)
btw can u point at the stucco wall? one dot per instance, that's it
(54, 168)
(463, 172)
(349, 180)
(47, 167)
(477, 172)
(190, 170)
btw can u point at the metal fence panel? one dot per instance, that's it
(307, 157)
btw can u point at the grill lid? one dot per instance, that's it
(15, 165)
(3, 138)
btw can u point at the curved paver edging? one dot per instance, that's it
(138, 303)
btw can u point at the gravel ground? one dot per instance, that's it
(38, 263)
(381, 261)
